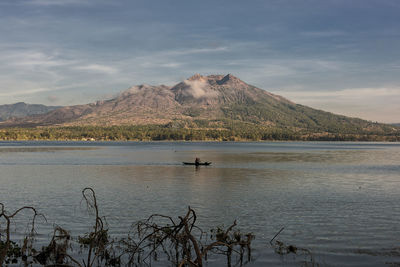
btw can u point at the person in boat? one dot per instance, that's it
(197, 161)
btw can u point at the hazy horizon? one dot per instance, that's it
(337, 56)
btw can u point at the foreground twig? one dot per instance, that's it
(276, 235)
(5, 245)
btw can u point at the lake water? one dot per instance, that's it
(341, 201)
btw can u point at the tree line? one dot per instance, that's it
(172, 132)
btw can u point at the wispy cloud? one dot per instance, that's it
(191, 51)
(26, 92)
(324, 33)
(98, 68)
(171, 65)
(58, 2)
(35, 58)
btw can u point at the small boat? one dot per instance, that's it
(198, 163)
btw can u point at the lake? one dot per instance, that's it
(339, 200)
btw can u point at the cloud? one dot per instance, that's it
(25, 92)
(196, 88)
(36, 59)
(98, 68)
(171, 65)
(199, 88)
(58, 2)
(39, 90)
(172, 58)
(323, 33)
(198, 50)
(39, 61)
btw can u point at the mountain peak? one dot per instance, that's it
(229, 78)
(218, 79)
(197, 77)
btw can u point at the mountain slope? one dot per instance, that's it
(216, 101)
(22, 109)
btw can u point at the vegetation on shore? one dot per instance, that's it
(200, 130)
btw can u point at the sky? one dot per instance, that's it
(336, 55)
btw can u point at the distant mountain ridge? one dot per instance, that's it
(22, 109)
(214, 101)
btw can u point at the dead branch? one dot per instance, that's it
(5, 245)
